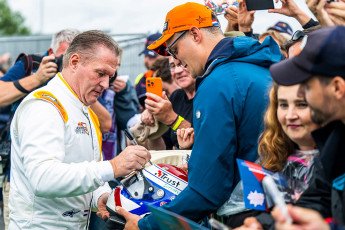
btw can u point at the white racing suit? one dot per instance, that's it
(56, 164)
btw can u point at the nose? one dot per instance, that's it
(291, 113)
(105, 83)
(179, 69)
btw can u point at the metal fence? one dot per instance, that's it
(132, 45)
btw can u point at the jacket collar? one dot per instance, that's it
(72, 96)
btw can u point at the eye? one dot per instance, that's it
(283, 105)
(302, 105)
(174, 50)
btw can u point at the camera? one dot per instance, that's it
(58, 62)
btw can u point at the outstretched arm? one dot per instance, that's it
(289, 8)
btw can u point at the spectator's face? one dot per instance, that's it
(293, 114)
(148, 61)
(62, 49)
(180, 74)
(93, 75)
(321, 102)
(186, 50)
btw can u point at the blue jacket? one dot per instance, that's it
(228, 118)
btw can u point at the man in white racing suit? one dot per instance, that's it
(57, 174)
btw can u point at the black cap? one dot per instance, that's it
(150, 39)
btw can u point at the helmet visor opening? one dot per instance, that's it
(139, 187)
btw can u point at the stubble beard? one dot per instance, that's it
(321, 117)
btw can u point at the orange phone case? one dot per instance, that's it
(154, 85)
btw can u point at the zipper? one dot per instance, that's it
(87, 116)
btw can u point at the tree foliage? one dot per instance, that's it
(11, 22)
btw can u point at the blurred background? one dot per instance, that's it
(27, 25)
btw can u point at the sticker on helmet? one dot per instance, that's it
(165, 179)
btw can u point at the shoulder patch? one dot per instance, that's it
(339, 183)
(47, 96)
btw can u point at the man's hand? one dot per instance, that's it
(231, 14)
(46, 70)
(101, 205)
(302, 219)
(161, 108)
(185, 137)
(131, 219)
(118, 85)
(336, 12)
(130, 159)
(322, 15)
(184, 167)
(245, 17)
(290, 9)
(147, 118)
(318, 8)
(250, 223)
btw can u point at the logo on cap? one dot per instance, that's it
(200, 20)
(165, 26)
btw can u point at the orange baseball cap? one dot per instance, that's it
(181, 18)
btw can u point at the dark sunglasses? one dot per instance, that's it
(298, 35)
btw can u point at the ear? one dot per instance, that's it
(74, 61)
(338, 87)
(50, 51)
(196, 34)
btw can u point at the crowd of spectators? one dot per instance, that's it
(274, 98)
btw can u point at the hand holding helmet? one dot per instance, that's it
(155, 185)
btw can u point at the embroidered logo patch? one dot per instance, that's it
(81, 128)
(70, 213)
(197, 114)
(200, 20)
(165, 26)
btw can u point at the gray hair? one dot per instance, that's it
(86, 43)
(66, 35)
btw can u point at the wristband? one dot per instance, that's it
(174, 121)
(180, 119)
(19, 87)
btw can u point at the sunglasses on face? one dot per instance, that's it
(298, 35)
(169, 47)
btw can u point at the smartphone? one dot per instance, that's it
(259, 4)
(271, 189)
(154, 85)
